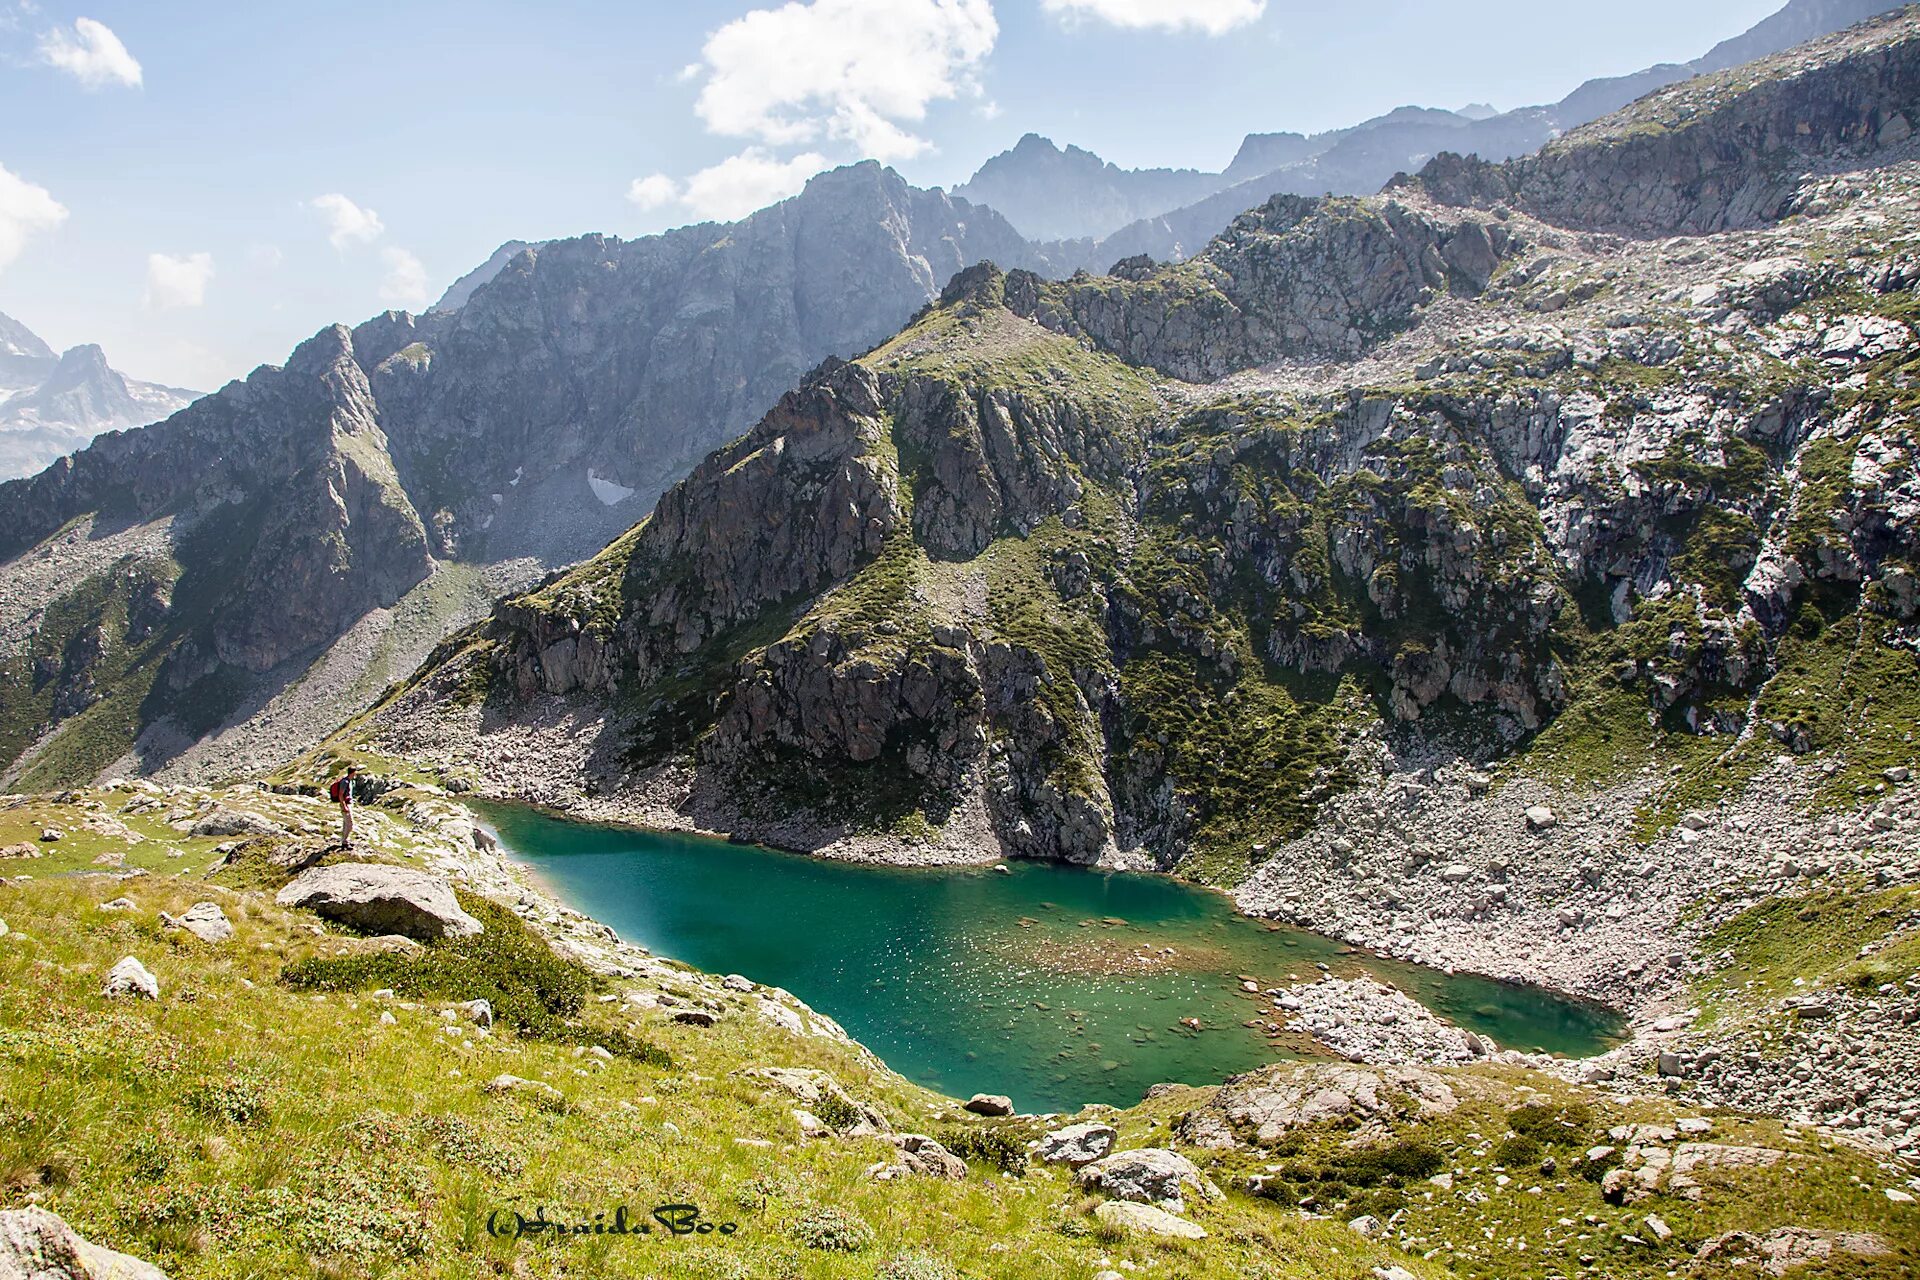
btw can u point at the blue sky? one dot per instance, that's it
(198, 186)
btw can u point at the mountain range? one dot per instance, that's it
(227, 585)
(1094, 213)
(308, 533)
(53, 404)
(1611, 439)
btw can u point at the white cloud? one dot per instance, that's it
(91, 54)
(405, 284)
(347, 223)
(26, 209)
(750, 180)
(1214, 17)
(178, 281)
(653, 191)
(265, 257)
(851, 71)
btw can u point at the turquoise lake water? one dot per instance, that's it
(1051, 985)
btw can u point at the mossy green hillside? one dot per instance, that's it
(1848, 937)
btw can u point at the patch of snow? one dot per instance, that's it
(609, 493)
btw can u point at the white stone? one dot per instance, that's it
(131, 978)
(1127, 1216)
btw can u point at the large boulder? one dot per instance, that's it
(222, 823)
(381, 899)
(1785, 1248)
(1263, 1106)
(921, 1155)
(1148, 1175)
(1077, 1144)
(38, 1245)
(1147, 1220)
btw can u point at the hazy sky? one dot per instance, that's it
(198, 186)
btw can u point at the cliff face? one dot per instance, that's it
(1724, 151)
(1124, 568)
(395, 476)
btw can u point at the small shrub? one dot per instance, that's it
(455, 1140)
(1392, 1163)
(1515, 1151)
(1003, 1147)
(836, 1112)
(753, 1194)
(1550, 1125)
(148, 1156)
(1594, 1170)
(531, 989)
(832, 1231)
(236, 1098)
(916, 1266)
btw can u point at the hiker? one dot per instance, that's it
(341, 793)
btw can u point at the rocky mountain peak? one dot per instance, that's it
(1721, 151)
(18, 340)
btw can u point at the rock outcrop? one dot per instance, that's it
(377, 898)
(1148, 1175)
(38, 1245)
(1723, 151)
(304, 509)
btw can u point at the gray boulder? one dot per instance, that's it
(990, 1104)
(1264, 1106)
(236, 822)
(38, 1245)
(1077, 1144)
(926, 1157)
(204, 920)
(1148, 1175)
(381, 899)
(1147, 1220)
(822, 1095)
(131, 978)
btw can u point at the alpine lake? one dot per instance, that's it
(1057, 986)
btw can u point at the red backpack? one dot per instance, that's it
(340, 791)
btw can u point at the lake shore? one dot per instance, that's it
(1424, 859)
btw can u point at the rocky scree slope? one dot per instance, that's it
(233, 570)
(1017, 581)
